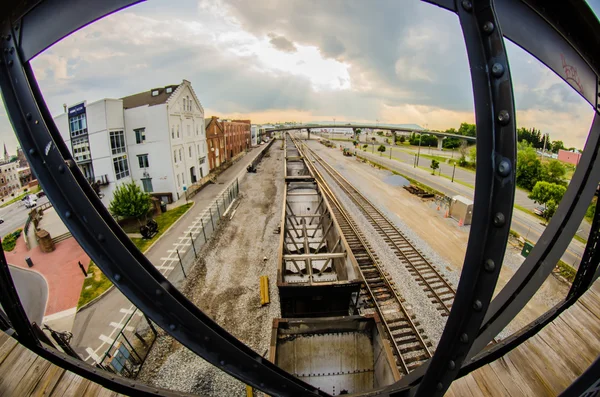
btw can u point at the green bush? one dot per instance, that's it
(10, 240)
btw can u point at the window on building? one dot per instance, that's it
(175, 156)
(154, 92)
(121, 167)
(140, 135)
(178, 180)
(189, 128)
(117, 142)
(177, 131)
(169, 90)
(180, 157)
(196, 130)
(190, 152)
(202, 160)
(189, 104)
(143, 160)
(78, 125)
(173, 132)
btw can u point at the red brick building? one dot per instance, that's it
(215, 140)
(237, 136)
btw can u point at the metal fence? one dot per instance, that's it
(129, 349)
(205, 225)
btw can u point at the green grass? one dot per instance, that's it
(514, 233)
(580, 239)
(565, 270)
(164, 221)
(20, 197)
(528, 211)
(98, 284)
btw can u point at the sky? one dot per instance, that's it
(386, 61)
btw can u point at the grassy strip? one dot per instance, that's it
(100, 283)
(580, 239)
(10, 240)
(97, 283)
(514, 233)
(566, 270)
(527, 211)
(18, 198)
(411, 180)
(164, 221)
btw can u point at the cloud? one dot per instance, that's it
(399, 62)
(281, 43)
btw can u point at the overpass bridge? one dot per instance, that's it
(356, 126)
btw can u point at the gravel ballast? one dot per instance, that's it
(224, 284)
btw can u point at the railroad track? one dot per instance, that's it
(438, 289)
(408, 341)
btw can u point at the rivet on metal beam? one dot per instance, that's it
(464, 338)
(68, 214)
(488, 27)
(158, 292)
(172, 327)
(503, 117)
(489, 265)
(32, 151)
(477, 305)
(28, 117)
(499, 219)
(61, 168)
(101, 237)
(117, 277)
(451, 364)
(10, 62)
(497, 70)
(439, 386)
(8, 37)
(467, 5)
(504, 168)
(12, 49)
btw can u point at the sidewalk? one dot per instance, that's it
(96, 326)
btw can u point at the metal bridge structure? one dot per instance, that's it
(358, 126)
(565, 36)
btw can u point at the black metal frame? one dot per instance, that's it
(567, 28)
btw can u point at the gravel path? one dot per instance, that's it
(225, 285)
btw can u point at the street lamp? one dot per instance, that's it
(419, 149)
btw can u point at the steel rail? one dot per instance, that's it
(325, 188)
(352, 192)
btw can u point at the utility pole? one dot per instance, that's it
(453, 171)
(390, 152)
(419, 149)
(544, 146)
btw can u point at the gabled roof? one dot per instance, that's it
(216, 121)
(146, 99)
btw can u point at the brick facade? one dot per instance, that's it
(215, 140)
(237, 136)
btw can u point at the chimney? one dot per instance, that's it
(65, 107)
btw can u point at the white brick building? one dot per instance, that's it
(156, 138)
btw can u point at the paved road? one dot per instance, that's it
(526, 225)
(15, 216)
(406, 157)
(96, 326)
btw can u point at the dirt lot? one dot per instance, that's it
(225, 285)
(442, 235)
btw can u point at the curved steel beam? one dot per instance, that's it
(101, 237)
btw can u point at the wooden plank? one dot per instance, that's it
(3, 338)
(547, 364)
(460, 388)
(575, 352)
(520, 361)
(48, 381)
(77, 387)
(577, 320)
(489, 383)
(510, 377)
(591, 300)
(32, 377)
(7, 348)
(63, 385)
(14, 368)
(473, 386)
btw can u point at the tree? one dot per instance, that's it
(402, 139)
(473, 154)
(129, 201)
(529, 167)
(365, 146)
(467, 129)
(434, 166)
(381, 149)
(548, 194)
(357, 134)
(451, 143)
(553, 172)
(355, 142)
(557, 145)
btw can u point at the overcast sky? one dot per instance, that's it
(396, 61)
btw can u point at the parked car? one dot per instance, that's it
(30, 201)
(41, 194)
(539, 210)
